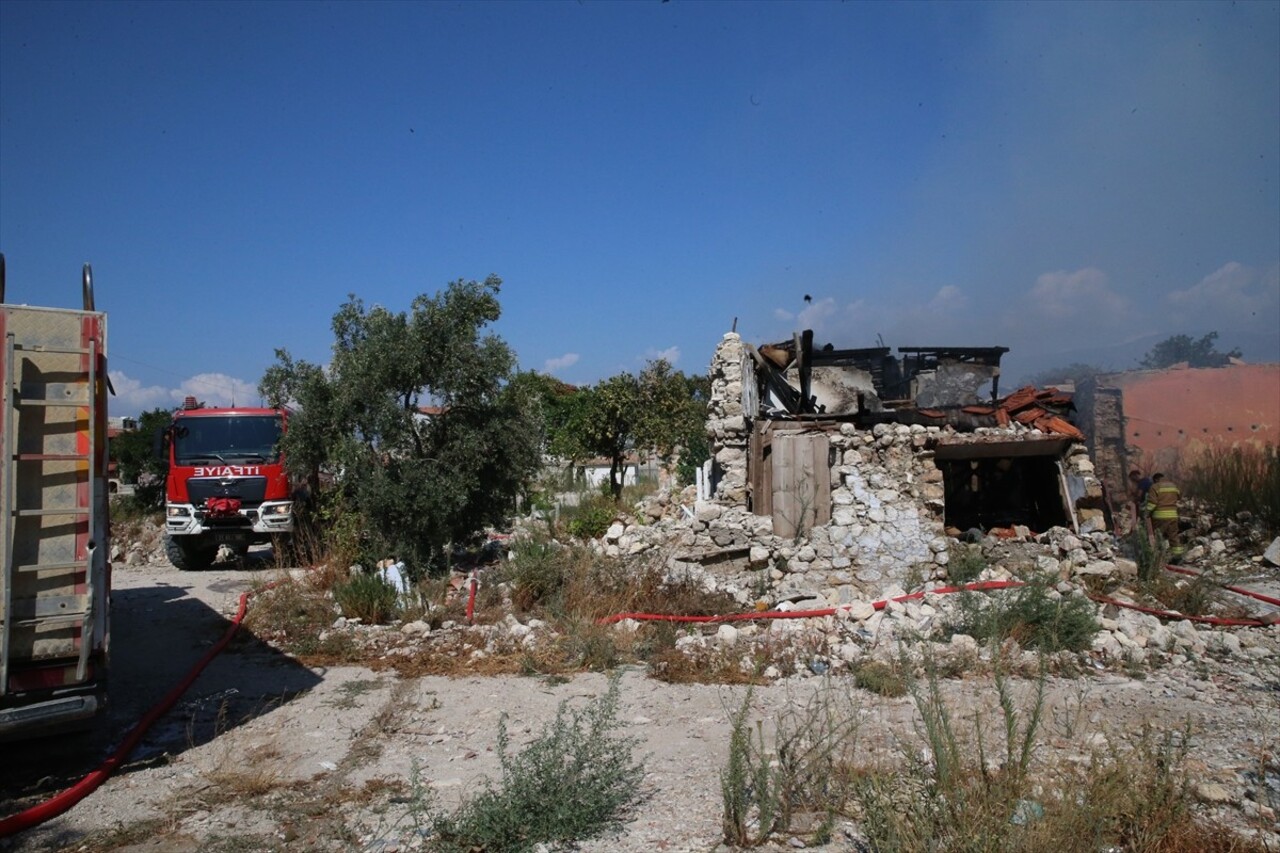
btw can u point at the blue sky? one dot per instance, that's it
(1074, 181)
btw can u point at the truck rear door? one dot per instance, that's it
(54, 587)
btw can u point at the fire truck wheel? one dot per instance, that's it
(188, 556)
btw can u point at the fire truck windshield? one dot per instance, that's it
(230, 439)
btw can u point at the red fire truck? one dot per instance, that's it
(227, 483)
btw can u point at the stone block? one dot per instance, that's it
(844, 516)
(708, 512)
(726, 635)
(1272, 555)
(860, 610)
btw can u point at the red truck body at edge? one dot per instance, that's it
(55, 578)
(227, 483)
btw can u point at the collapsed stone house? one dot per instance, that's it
(839, 474)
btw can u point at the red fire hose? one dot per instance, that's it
(60, 803)
(474, 583)
(1236, 589)
(803, 614)
(980, 586)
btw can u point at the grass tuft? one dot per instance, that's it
(1245, 478)
(880, 678)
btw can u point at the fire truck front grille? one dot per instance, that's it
(250, 490)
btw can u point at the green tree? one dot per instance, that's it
(660, 411)
(607, 423)
(1179, 348)
(416, 417)
(561, 407)
(134, 453)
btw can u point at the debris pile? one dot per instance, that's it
(1045, 410)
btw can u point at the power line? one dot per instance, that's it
(228, 386)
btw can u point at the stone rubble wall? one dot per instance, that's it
(727, 424)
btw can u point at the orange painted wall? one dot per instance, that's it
(1174, 412)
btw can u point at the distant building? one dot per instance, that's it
(115, 426)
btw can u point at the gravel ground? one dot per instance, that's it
(263, 753)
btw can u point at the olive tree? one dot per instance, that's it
(415, 418)
(660, 411)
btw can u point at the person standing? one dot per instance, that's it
(1162, 505)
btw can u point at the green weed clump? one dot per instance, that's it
(1194, 596)
(950, 792)
(1030, 615)
(1151, 553)
(574, 589)
(367, 597)
(1239, 479)
(575, 781)
(538, 571)
(592, 517)
(296, 616)
(965, 563)
(881, 678)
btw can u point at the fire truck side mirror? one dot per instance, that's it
(159, 439)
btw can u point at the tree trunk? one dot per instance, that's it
(615, 482)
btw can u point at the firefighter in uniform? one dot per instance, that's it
(1162, 506)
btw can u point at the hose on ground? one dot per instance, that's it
(62, 802)
(1239, 590)
(979, 586)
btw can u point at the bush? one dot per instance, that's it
(1033, 615)
(592, 517)
(293, 615)
(975, 785)
(573, 782)
(956, 794)
(880, 678)
(367, 597)
(537, 572)
(1194, 596)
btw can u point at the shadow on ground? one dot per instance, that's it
(158, 633)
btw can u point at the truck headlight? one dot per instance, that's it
(178, 511)
(278, 509)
